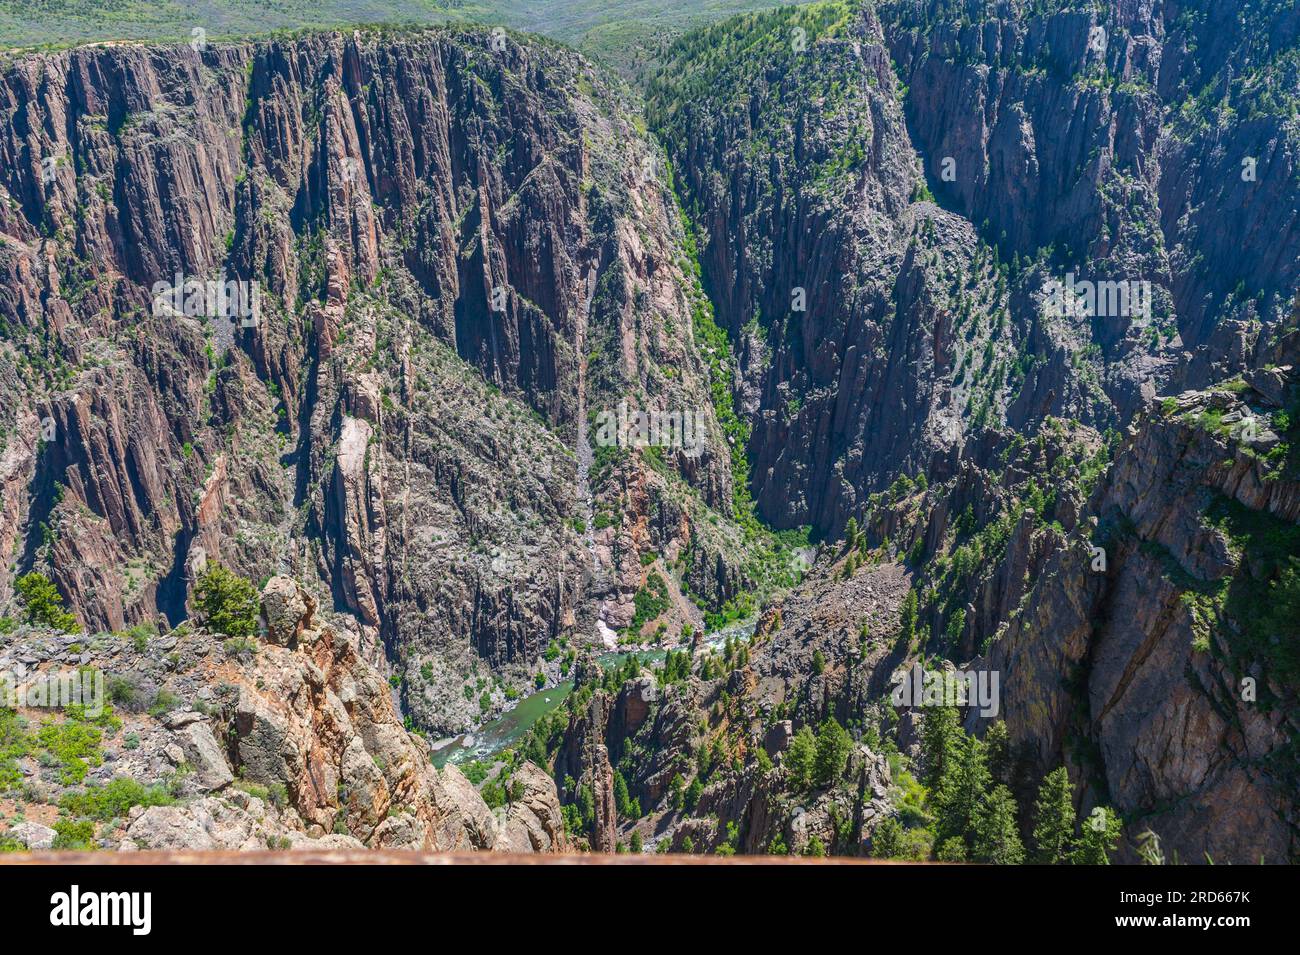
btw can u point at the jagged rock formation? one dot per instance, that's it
(1168, 677)
(462, 251)
(711, 722)
(291, 743)
(848, 297)
(1145, 138)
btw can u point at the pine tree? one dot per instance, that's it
(940, 742)
(800, 758)
(907, 620)
(996, 837)
(999, 750)
(833, 745)
(851, 532)
(43, 603)
(887, 840)
(962, 789)
(951, 850)
(228, 602)
(1098, 836)
(622, 801)
(1054, 818)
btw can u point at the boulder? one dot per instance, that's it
(288, 610)
(33, 835)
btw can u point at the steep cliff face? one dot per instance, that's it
(1141, 141)
(460, 252)
(1166, 673)
(872, 327)
(1066, 148)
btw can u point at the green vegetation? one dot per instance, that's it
(965, 810)
(228, 603)
(1263, 598)
(114, 800)
(78, 836)
(71, 745)
(649, 602)
(43, 603)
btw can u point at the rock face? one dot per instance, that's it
(271, 746)
(858, 309)
(460, 255)
(584, 758)
(1092, 147)
(880, 334)
(1166, 678)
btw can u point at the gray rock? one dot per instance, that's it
(204, 753)
(288, 610)
(33, 835)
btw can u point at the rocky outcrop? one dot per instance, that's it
(533, 822)
(269, 745)
(583, 758)
(1161, 675)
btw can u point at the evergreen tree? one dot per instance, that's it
(636, 845)
(940, 742)
(851, 532)
(999, 750)
(677, 788)
(963, 788)
(833, 745)
(800, 758)
(43, 603)
(622, 802)
(1054, 818)
(228, 602)
(951, 850)
(693, 793)
(887, 840)
(1098, 836)
(996, 837)
(907, 620)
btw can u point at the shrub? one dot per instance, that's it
(77, 835)
(241, 647)
(227, 602)
(43, 603)
(114, 800)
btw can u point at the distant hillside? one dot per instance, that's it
(626, 35)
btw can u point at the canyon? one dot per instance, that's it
(827, 234)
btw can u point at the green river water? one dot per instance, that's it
(508, 728)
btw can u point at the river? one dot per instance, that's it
(508, 728)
